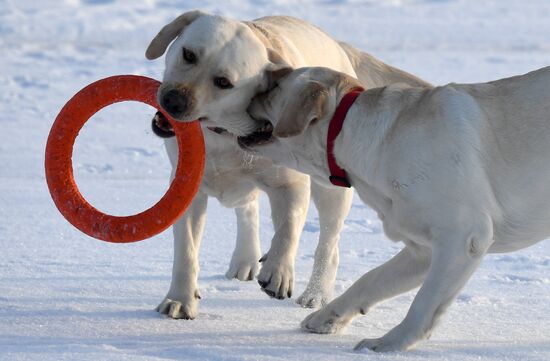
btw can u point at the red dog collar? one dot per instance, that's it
(338, 176)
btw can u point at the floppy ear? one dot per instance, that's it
(277, 68)
(305, 109)
(169, 32)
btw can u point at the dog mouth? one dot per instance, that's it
(263, 135)
(162, 127)
(260, 136)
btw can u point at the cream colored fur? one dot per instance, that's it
(250, 55)
(454, 172)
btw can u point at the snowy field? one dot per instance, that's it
(64, 296)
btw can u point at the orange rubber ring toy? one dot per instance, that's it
(59, 170)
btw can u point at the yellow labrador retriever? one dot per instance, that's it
(454, 172)
(214, 67)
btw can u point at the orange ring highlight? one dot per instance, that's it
(59, 170)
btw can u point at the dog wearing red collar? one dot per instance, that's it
(454, 172)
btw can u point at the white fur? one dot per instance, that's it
(454, 172)
(244, 55)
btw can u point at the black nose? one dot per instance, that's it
(174, 102)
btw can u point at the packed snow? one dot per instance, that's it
(64, 295)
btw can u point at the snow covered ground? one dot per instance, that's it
(66, 296)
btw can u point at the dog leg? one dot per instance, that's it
(183, 295)
(333, 205)
(403, 272)
(182, 298)
(244, 263)
(452, 264)
(289, 204)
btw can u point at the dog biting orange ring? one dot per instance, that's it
(59, 170)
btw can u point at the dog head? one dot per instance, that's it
(214, 66)
(292, 118)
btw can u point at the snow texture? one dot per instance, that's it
(64, 296)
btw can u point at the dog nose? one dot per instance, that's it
(174, 102)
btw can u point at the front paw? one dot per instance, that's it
(313, 298)
(183, 307)
(276, 277)
(382, 344)
(399, 338)
(324, 321)
(243, 269)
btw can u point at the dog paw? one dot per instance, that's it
(324, 321)
(313, 299)
(276, 277)
(381, 344)
(185, 308)
(243, 270)
(400, 338)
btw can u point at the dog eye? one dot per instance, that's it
(189, 56)
(222, 83)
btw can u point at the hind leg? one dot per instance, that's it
(333, 205)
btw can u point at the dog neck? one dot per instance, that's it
(357, 147)
(338, 175)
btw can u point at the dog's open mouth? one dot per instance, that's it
(162, 127)
(263, 135)
(260, 136)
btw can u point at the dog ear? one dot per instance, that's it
(169, 32)
(276, 69)
(305, 109)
